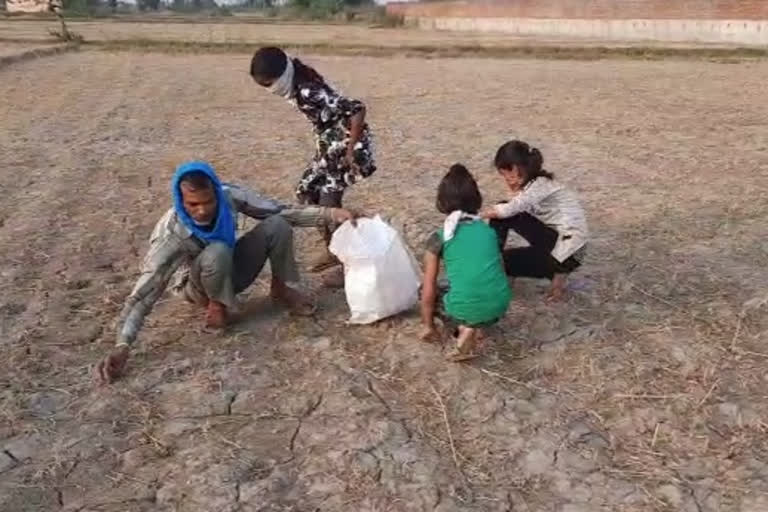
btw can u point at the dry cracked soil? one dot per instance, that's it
(644, 391)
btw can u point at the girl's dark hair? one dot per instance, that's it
(528, 159)
(268, 63)
(458, 191)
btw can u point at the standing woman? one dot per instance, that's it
(542, 210)
(344, 146)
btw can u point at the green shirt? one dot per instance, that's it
(479, 290)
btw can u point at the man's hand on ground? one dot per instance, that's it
(112, 366)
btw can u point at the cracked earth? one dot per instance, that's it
(643, 392)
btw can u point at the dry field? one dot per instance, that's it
(255, 33)
(238, 32)
(645, 391)
(12, 49)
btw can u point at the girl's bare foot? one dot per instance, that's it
(429, 334)
(465, 345)
(457, 356)
(557, 290)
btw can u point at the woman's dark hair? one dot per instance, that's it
(304, 73)
(528, 159)
(268, 64)
(458, 191)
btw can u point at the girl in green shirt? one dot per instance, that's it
(479, 292)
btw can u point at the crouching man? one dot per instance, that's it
(197, 236)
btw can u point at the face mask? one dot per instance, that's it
(283, 86)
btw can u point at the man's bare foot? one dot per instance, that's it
(324, 262)
(479, 339)
(334, 278)
(216, 315)
(557, 289)
(291, 298)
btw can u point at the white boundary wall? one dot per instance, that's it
(741, 32)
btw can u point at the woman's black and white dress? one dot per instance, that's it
(328, 173)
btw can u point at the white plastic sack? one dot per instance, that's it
(381, 277)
